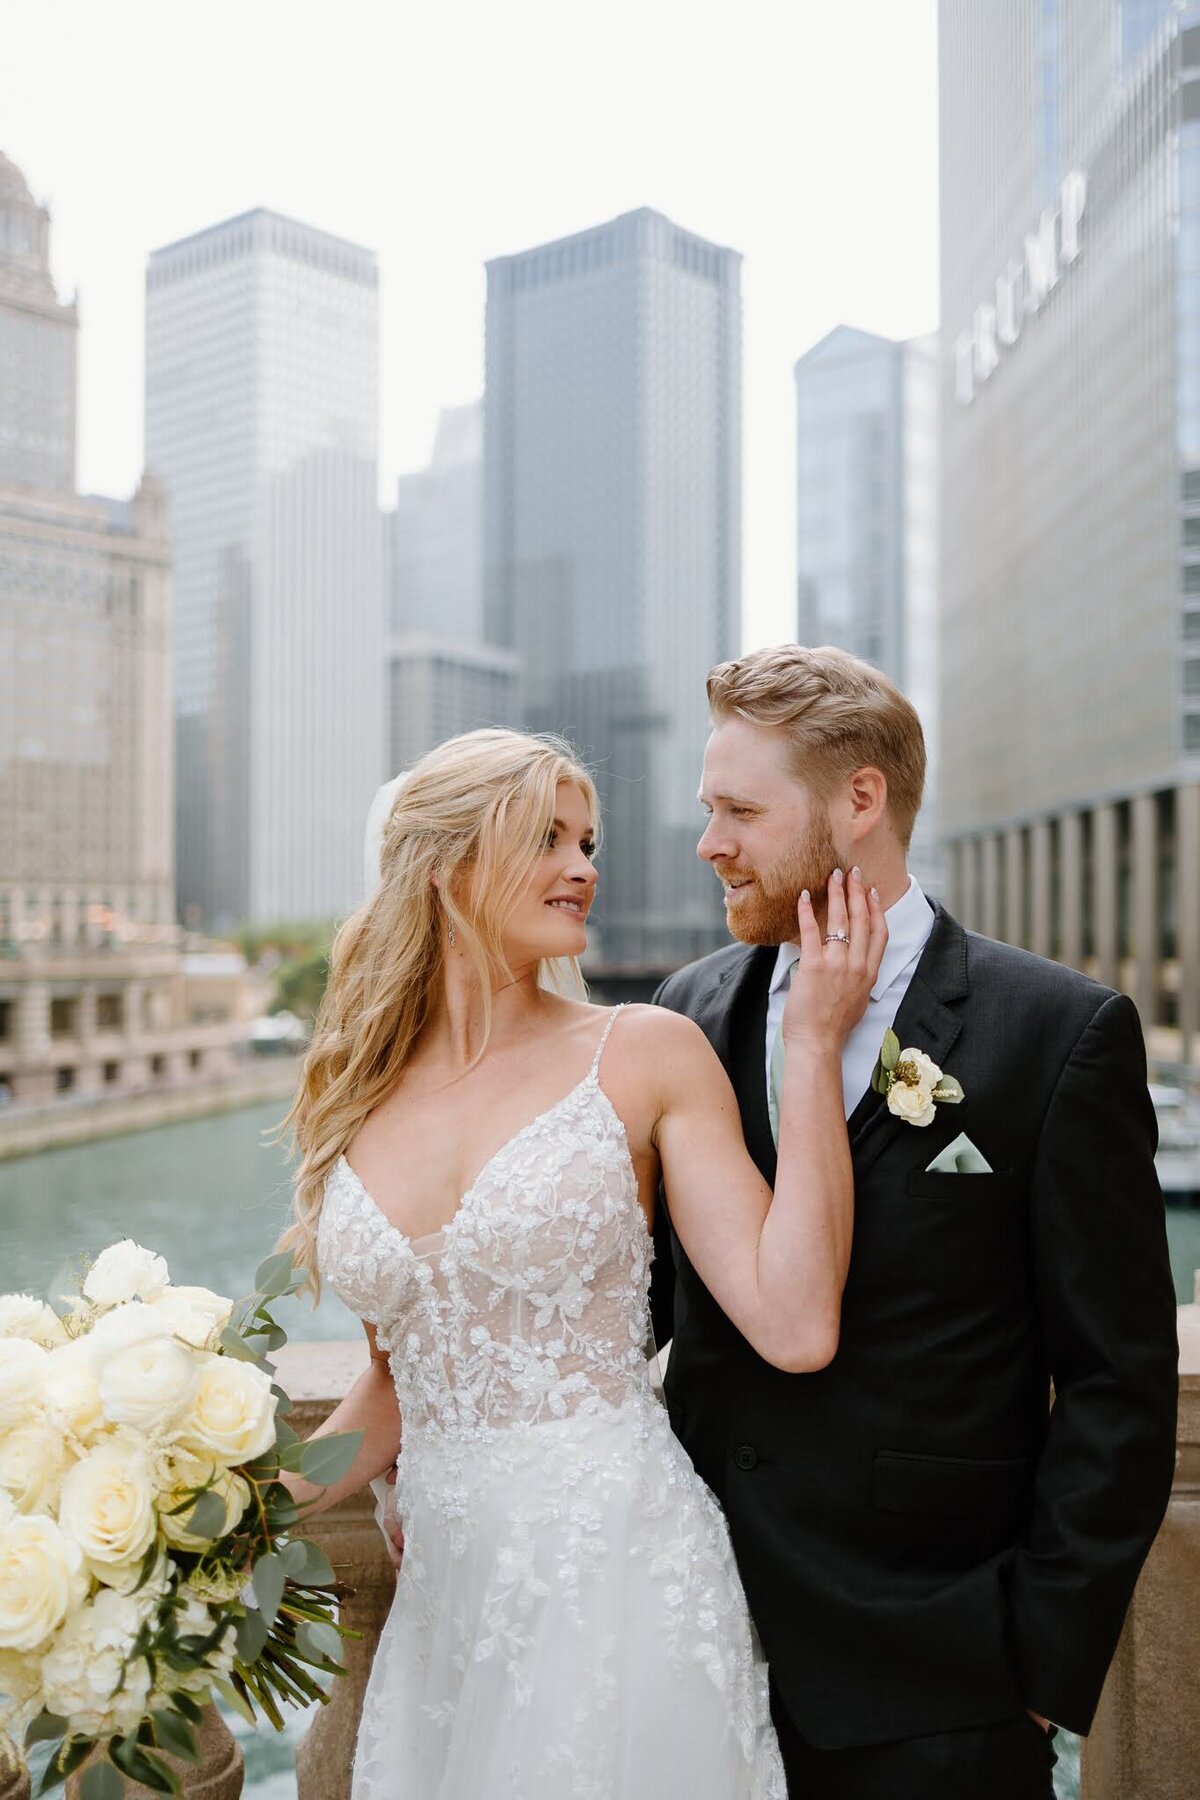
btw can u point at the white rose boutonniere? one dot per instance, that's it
(911, 1083)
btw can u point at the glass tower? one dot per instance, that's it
(612, 528)
(866, 511)
(1070, 155)
(261, 421)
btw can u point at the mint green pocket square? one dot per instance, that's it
(960, 1158)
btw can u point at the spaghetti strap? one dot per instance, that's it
(594, 1071)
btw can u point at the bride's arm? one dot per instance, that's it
(775, 1264)
(370, 1407)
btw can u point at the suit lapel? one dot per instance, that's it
(733, 1016)
(928, 1019)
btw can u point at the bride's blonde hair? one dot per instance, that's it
(460, 844)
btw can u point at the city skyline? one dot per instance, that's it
(761, 145)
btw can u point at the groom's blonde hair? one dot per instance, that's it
(837, 713)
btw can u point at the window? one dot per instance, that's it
(64, 1018)
(64, 1080)
(112, 1072)
(158, 1067)
(110, 1012)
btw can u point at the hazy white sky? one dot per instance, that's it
(801, 132)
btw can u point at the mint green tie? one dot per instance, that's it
(775, 1087)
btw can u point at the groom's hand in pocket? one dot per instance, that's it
(393, 1527)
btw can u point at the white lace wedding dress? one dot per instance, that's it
(569, 1623)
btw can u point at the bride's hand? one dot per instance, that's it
(832, 982)
(391, 1524)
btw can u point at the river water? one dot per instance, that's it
(211, 1195)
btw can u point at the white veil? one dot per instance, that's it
(377, 818)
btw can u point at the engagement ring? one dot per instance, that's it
(837, 937)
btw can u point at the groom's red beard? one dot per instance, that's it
(765, 912)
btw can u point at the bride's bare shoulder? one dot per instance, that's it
(656, 1031)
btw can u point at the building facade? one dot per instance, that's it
(612, 539)
(433, 537)
(1070, 228)
(866, 523)
(93, 995)
(38, 337)
(262, 372)
(438, 687)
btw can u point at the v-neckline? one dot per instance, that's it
(428, 1237)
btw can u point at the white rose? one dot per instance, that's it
(22, 1380)
(33, 1461)
(185, 1473)
(21, 1316)
(41, 1576)
(133, 1322)
(87, 1674)
(107, 1505)
(73, 1390)
(20, 1695)
(148, 1385)
(125, 1271)
(194, 1314)
(233, 1412)
(913, 1104)
(928, 1073)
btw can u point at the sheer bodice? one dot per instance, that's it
(569, 1623)
(532, 1302)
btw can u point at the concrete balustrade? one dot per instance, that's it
(1145, 1744)
(317, 1376)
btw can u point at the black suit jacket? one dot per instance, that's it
(925, 1544)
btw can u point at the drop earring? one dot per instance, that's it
(451, 933)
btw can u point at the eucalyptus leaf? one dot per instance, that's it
(948, 1092)
(315, 1570)
(101, 1782)
(207, 1517)
(273, 1276)
(176, 1735)
(889, 1056)
(233, 1344)
(269, 1579)
(325, 1460)
(235, 1698)
(251, 1635)
(46, 1725)
(319, 1640)
(283, 1401)
(142, 1765)
(293, 1559)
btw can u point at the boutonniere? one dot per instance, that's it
(911, 1083)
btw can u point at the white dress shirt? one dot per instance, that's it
(910, 921)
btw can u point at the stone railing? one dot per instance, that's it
(1145, 1744)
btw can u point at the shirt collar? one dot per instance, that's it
(910, 921)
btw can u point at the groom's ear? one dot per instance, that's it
(867, 800)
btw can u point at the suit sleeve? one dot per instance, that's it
(1107, 1310)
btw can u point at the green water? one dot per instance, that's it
(211, 1196)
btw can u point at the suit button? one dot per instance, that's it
(745, 1456)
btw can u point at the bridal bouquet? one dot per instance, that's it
(146, 1564)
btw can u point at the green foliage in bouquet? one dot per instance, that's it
(110, 1657)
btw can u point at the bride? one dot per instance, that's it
(480, 1160)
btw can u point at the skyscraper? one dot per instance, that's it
(866, 514)
(261, 421)
(612, 538)
(1070, 230)
(38, 335)
(433, 538)
(93, 989)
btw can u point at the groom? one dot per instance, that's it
(938, 1561)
